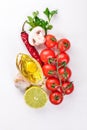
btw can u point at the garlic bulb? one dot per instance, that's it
(21, 82)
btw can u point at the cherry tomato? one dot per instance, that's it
(50, 41)
(49, 70)
(67, 87)
(56, 97)
(63, 58)
(63, 45)
(65, 73)
(52, 84)
(46, 55)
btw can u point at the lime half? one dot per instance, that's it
(35, 97)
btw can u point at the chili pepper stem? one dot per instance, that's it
(23, 26)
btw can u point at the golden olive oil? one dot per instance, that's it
(29, 68)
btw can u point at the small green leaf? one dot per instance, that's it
(30, 29)
(47, 23)
(37, 21)
(31, 24)
(35, 13)
(30, 19)
(49, 27)
(47, 13)
(53, 12)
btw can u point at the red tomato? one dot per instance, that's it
(63, 58)
(63, 45)
(46, 55)
(64, 73)
(49, 70)
(50, 41)
(56, 97)
(67, 87)
(52, 84)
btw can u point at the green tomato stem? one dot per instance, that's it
(58, 71)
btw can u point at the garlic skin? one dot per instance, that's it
(21, 83)
(36, 36)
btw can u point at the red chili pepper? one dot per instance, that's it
(32, 50)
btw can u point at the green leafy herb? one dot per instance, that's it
(53, 12)
(35, 14)
(49, 27)
(49, 13)
(35, 20)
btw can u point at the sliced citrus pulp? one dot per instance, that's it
(35, 97)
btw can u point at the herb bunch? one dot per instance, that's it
(35, 20)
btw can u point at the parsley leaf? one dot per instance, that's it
(35, 13)
(35, 20)
(53, 12)
(49, 13)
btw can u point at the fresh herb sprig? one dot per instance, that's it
(49, 13)
(35, 20)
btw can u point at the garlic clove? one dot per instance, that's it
(21, 83)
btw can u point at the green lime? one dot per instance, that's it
(35, 97)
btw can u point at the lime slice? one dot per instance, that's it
(35, 97)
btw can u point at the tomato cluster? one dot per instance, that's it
(55, 68)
